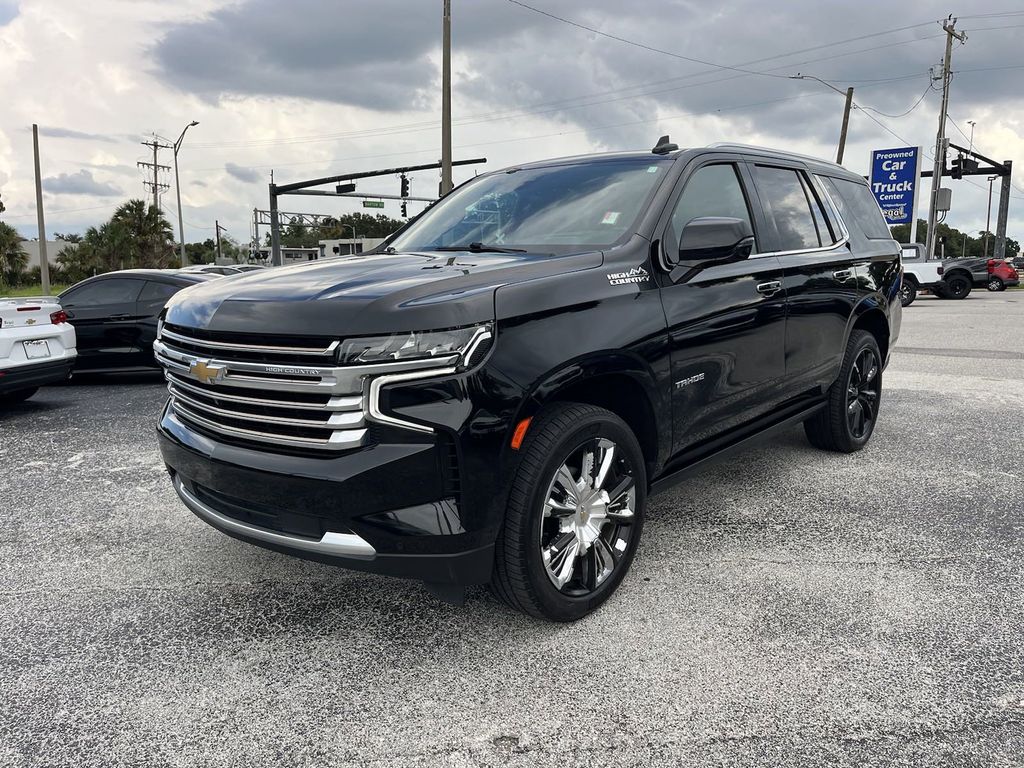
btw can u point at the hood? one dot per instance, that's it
(381, 293)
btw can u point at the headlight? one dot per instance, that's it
(415, 345)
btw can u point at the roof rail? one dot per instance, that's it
(768, 150)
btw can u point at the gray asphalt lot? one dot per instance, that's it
(788, 607)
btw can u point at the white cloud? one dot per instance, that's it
(306, 90)
(81, 183)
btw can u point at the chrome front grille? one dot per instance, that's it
(289, 393)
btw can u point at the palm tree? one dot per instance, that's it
(142, 235)
(13, 258)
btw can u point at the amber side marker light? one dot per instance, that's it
(520, 433)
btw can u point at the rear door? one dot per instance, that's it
(726, 324)
(819, 271)
(104, 314)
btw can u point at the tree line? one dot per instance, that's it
(957, 244)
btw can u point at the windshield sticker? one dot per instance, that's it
(611, 217)
(652, 169)
(635, 275)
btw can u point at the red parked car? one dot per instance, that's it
(1001, 275)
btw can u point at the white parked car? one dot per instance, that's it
(213, 269)
(37, 346)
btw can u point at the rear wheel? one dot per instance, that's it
(18, 396)
(908, 291)
(957, 287)
(995, 284)
(574, 514)
(848, 419)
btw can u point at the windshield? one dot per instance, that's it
(556, 208)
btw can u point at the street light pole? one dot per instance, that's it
(177, 189)
(988, 218)
(848, 93)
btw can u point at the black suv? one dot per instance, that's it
(494, 393)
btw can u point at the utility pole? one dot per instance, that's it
(218, 227)
(276, 259)
(177, 189)
(1004, 211)
(846, 125)
(949, 27)
(155, 183)
(44, 266)
(446, 100)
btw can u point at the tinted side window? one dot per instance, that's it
(713, 190)
(786, 202)
(116, 290)
(856, 202)
(158, 291)
(826, 233)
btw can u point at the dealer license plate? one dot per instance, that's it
(36, 349)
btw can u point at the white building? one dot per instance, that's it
(347, 246)
(53, 249)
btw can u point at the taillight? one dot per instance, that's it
(58, 317)
(29, 309)
(991, 264)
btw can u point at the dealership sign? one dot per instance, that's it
(895, 178)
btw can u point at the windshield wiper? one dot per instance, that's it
(479, 248)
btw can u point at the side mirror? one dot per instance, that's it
(711, 240)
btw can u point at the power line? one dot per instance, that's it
(640, 45)
(907, 112)
(58, 210)
(562, 105)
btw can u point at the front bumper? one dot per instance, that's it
(390, 508)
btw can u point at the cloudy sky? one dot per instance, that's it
(309, 88)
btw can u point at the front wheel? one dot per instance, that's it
(995, 284)
(848, 419)
(574, 514)
(908, 292)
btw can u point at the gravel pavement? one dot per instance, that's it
(788, 607)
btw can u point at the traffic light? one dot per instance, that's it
(405, 210)
(405, 187)
(957, 171)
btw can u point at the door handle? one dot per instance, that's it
(843, 274)
(769, 289)
(124, 316)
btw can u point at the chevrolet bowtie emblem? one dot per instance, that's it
(206, 373)
(30, 321)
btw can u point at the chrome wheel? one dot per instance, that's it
(862, 394)
(995, 284)
(588, 517)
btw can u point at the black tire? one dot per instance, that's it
(957, 287)
(995, 284)
(835, 428)
(18, 396)
(908, 291)
(522, 578)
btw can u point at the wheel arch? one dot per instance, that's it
(961, 271)
(869, 316)
(619, 383)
